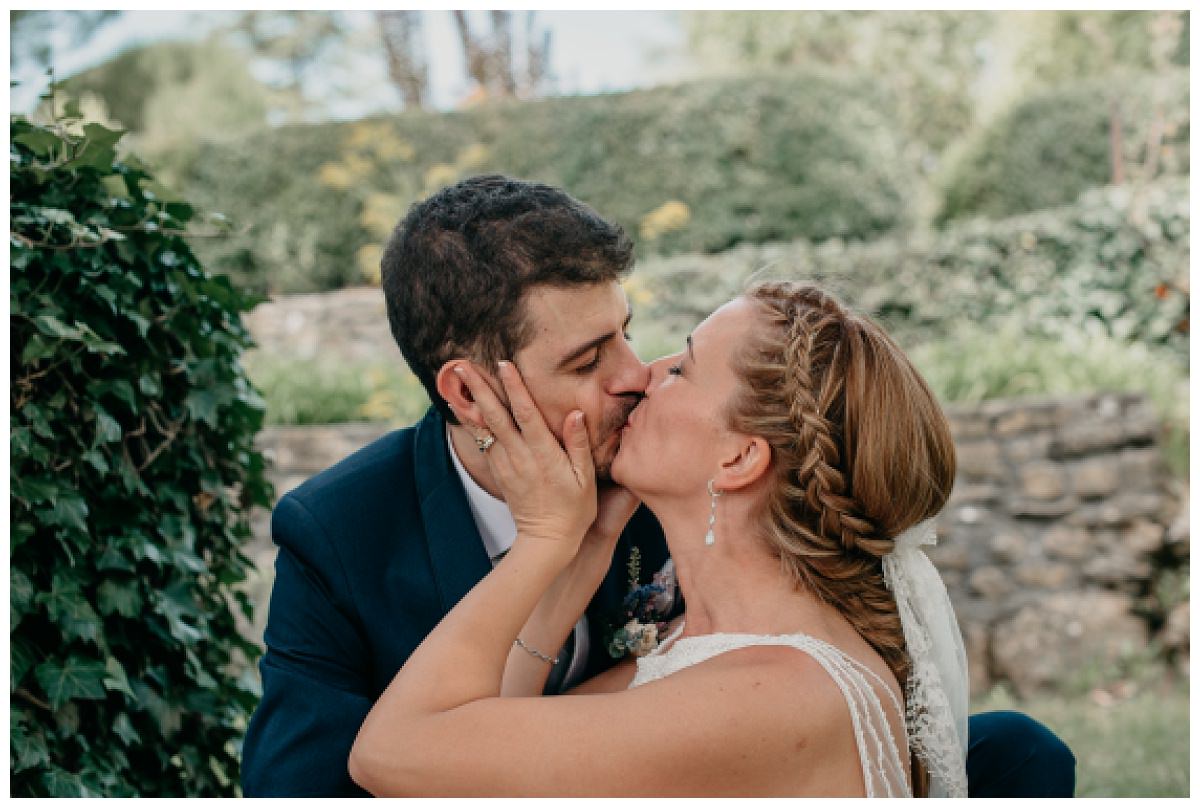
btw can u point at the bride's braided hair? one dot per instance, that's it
(861, 451)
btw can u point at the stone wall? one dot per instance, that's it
(1061, 520)
(346, 325)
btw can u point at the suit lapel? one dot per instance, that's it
(456, 550)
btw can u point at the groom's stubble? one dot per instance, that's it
(606, 448)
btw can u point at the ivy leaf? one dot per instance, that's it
(69, 511)
(112, 558)
(96, 459)
(51, 326)
(202, 406)
(119, 598)
(34, 489)
(31, 751)
(19, 441)
(23, 658)
(37, 349)
(20, 597)
(115, 185)
(41, 142)
(107, 428)
(77, 678)
(21, 533)
(123, 727)
(61, 783)
(116, 679)
(98, 148)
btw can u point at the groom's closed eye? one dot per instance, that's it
(593, 350)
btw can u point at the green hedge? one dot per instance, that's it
(1115, 262)
(1104, 281)
(133, 470)
(1054, 145)
(803, 155)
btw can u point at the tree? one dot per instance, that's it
(407, 65)
(929, 61)
(490, 57)
(292, 46)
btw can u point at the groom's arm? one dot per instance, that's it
(315, 681)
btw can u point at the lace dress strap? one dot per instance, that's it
(883, 768)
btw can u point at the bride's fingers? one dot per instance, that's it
(495, 415)
(528, 417)
(579, 449)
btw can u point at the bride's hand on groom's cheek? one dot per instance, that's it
(551, 492)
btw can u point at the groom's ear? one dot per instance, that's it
(745, 463)
(454, 390)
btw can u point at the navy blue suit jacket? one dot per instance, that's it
(373, 552)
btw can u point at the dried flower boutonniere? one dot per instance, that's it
(644, 610)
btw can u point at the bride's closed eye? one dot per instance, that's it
(676, 369)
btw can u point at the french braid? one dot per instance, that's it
(860, 451)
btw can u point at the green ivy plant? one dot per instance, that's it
(132, 476)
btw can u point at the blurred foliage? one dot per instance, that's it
(295, 51)
(1055, 144)
(1114, 263)
(174, 95)
(928, 61)
(801, 155)
(1101, 286)
(133, 471)
(315, 391)
(1071, 45)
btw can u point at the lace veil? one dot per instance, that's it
(938, 687)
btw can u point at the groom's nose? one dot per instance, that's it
(631, 376)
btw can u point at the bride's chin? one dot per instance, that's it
(617, 469)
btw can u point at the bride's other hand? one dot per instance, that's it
(551, 492)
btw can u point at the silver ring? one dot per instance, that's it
(485, 443)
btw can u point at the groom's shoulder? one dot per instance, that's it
(380, 474)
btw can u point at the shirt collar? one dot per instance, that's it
(492, 516)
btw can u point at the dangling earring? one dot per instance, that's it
(710, 538)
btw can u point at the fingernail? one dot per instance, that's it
(502, 363)
(458, 369)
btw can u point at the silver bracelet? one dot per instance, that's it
(536, 652)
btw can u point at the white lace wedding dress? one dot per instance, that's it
(883, 764)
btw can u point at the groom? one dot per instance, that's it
(375, 550)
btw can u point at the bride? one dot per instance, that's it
(794, 458)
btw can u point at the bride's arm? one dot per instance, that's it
(440, 727)
(560, 608)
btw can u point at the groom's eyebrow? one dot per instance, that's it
(691, 350)
(593, 344)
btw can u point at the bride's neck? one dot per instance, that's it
(736, 585)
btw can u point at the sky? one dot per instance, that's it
(592, 51)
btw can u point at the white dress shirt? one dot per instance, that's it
(496, 527)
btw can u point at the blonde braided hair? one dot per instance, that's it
(860, 451)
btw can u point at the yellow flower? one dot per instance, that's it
(668, 216)
(637, 291)
(336, 176)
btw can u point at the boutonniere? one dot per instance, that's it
(644, 610)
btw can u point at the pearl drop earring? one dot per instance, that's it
(710, 538)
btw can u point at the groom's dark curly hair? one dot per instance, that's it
(457, 269)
